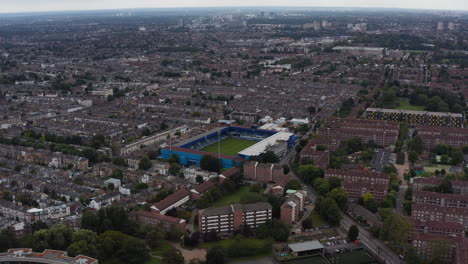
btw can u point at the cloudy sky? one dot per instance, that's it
(8, 6)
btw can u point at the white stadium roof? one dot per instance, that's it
(259, 147)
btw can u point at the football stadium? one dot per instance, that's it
(231, 145)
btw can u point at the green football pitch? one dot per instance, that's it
(229, 146)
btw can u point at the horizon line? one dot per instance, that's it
(201, 7)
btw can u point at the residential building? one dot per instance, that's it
(233, 218)
(293, 207)
(172, 201)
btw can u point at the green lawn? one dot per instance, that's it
(253, 242)
(232, 198)
(317, 220)
(431, 168)
(405, 105)
(153, 261)
(229, 146)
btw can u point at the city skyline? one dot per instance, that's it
(68, 5)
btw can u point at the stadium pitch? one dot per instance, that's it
(229, 146)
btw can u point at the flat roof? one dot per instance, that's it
(414, 112)
(202, 135)
(259, 147)
(306, 246)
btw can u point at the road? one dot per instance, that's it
(374, 245)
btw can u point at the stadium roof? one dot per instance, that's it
(259, 148)
(306, 246)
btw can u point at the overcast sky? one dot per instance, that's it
(7, 6)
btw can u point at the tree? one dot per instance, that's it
(457, 156)
(270, 157)
(117, 247)
(416, 144)
(286, 169)
(307, 223)
(413, 156)
(89, 221)
(440, 247)
(395, 230)
(334, 182)
(329, 210)
(353, 233)
(412, 256)
(82, 248)
(309, 173)
(90, 154)
(369, 202)
(445, 186)
(145, 163)
(174, 169)
(293, 185)
(216, 255)
(340, 196)
(172, 256)
(321, 186)
(273, 228)
(154, 237)
(199, 179)
(210, 163)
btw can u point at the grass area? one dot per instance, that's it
(317, 220)
(405, 105)
(431, 168)
(253, 242)
(159, 250)
(229, 146)
(232, 198)
(153, 261)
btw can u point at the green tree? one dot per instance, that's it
(309, 173)
(413, 156)
(353, 233)
(117, 247)
(335, 182)
(172, 256)
(216, 255)
(82, 248)
(307, 223)
(210, 163)
(154, 238)
(273, 228)
(174, 169)
(457, 156)
(293, 185)
(369, 202)
(270, 157)
(395, 230)
(416, 144)
(321, 186)
(89, 221)
(412, 256)
(340, 196)
(90, 154)
(329, 210)
(145, 163)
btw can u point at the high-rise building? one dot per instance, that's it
(440, 26)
